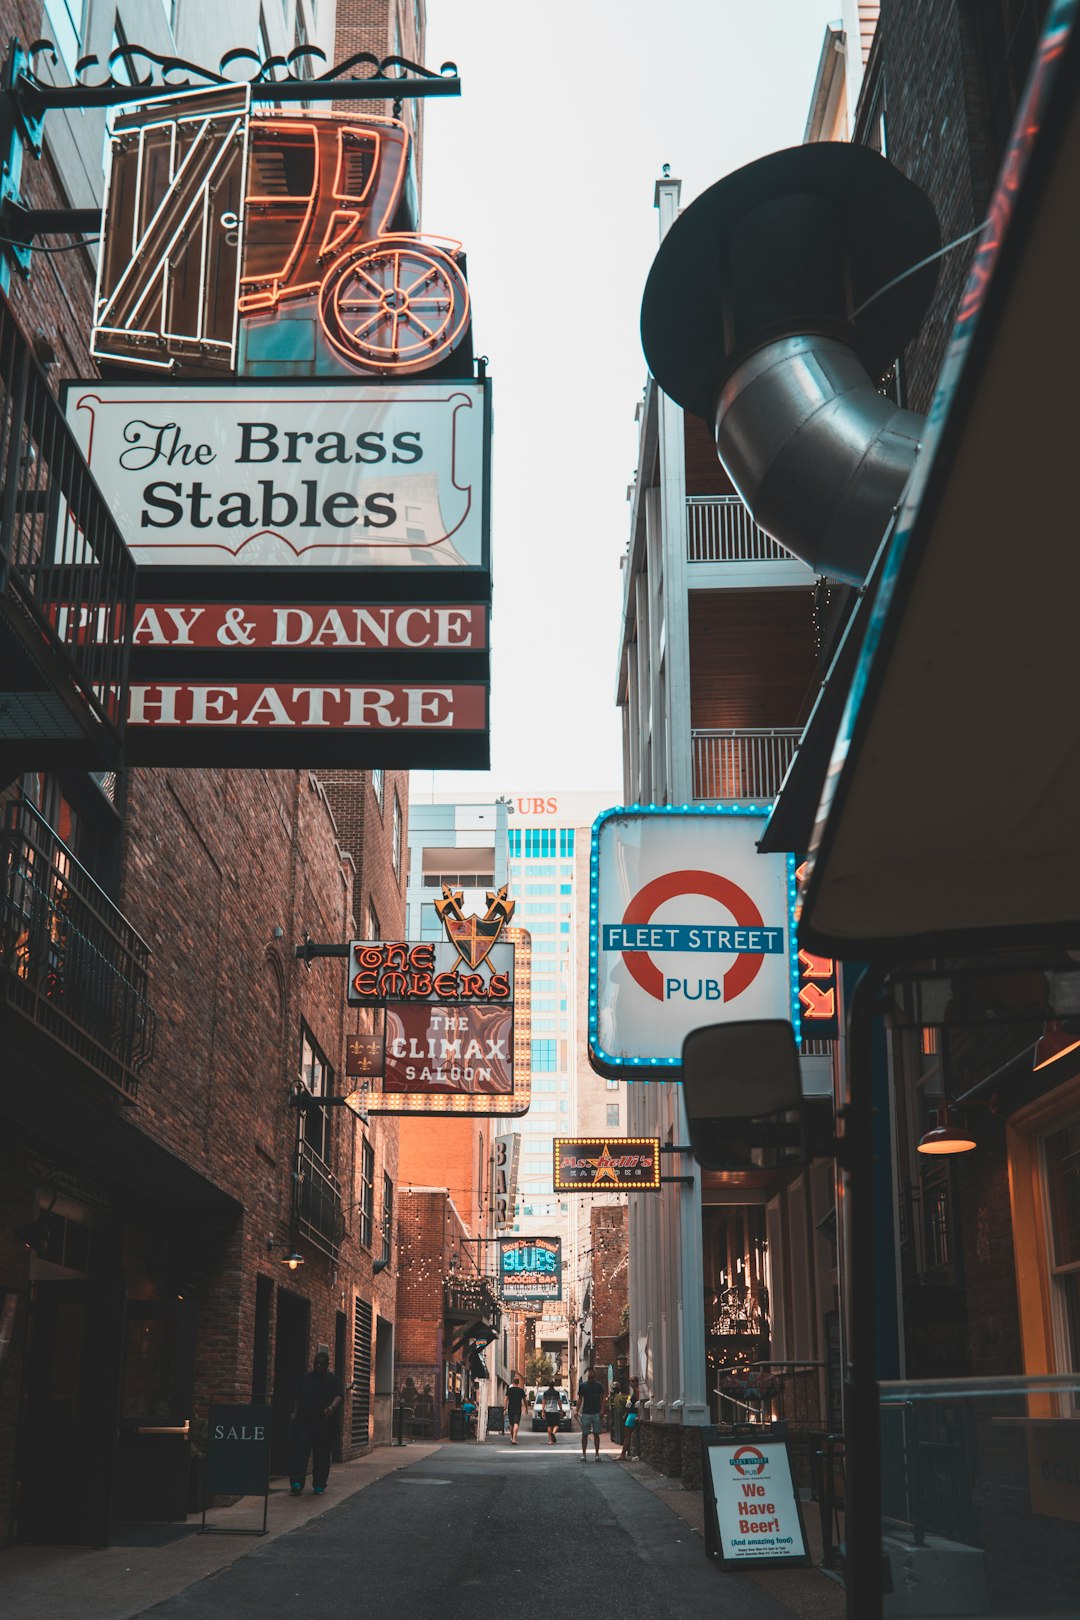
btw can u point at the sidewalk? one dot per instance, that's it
(150, 1562)
(808, 1593)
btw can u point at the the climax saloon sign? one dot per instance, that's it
(448, 1010)
(619, 1163)
(314, 571)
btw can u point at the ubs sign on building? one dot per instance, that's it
(294, 442)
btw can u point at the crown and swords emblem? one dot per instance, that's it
(473, 936)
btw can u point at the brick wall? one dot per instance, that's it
(610, 1242)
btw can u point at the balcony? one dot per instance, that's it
(742, 765)
(317, 1212)
(71, 966)
(67, 585)
(719, 529)
(470, 1299)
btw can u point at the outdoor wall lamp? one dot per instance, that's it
(949, 1134)
(1053, 1043)
(292, 1258)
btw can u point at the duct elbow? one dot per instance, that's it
(818, 455)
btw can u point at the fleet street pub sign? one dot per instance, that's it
(689, 925)
(448, 1012)
(292, 439)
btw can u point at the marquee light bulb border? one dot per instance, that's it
(661, 1067)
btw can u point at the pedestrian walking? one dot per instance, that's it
(631, 1440)
(590, 1403)
(515, 1400)
(319, 1398)
(551, 1406)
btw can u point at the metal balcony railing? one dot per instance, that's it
(317, 1210)
(67, 581)
(719, 529)
(467, 1297)
(746, 765)
(70, 963)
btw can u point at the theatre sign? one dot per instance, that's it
(294, 441)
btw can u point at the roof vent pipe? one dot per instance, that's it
(753, 319)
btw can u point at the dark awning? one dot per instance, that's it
(950, 811)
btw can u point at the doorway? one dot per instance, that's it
(290, 1363)
(153, 1455)
(70, 1405)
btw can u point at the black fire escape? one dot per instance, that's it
(67, 585)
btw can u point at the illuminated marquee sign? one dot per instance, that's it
(593, 1163)
(689, 925)
(530, 1269)
(314, 476)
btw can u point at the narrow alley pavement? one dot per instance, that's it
(437, 1530)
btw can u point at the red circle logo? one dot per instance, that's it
(748, 1460)
(642, 908)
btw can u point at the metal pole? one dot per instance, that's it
(862, 1413)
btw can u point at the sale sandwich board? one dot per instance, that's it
(752, 1511)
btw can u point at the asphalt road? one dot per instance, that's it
(475, 1530)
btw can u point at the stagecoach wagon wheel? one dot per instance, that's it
(394, 307)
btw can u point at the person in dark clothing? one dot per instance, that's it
(319, 1398)
(551, 1406)
(515, 1400)
(591, 1398)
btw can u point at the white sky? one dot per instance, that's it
(545, 170)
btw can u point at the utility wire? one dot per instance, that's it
(911, 269)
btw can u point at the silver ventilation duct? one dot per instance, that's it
(753, 320)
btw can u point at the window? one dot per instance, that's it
(539, 871)
(387, 1216)
(396, 831)
(367, 1191)
(566, 888)
(612, 1085)
(566, 841)
(513, 841)
(374, 930)
(377, 786)
(613, 1116)
(564, 928)
(430, 926)
(543, 1055)
(539, 888)
(317, 1077)
(1061, 1151)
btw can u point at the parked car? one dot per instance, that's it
(539, 1421)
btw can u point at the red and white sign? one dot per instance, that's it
(757, 1515)
(288, 705)
(257, 475)
(281, 627)
(690, 926)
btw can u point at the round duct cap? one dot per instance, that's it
(793, 243)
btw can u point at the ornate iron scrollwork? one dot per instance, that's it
(138, 64)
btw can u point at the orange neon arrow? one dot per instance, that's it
(818, 1003)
